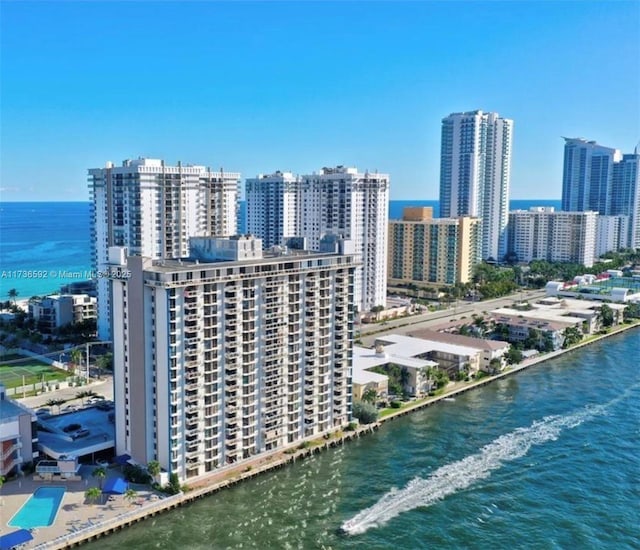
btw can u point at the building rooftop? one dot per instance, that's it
(10, 409)
(408, 346)
(514, 317)
(459, 339)
(365, 358)
(56, 442)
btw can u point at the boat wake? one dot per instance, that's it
(461, 474)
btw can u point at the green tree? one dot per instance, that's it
(514, 356)
(366, 413)
(93, 494)
(99, 473)
(632, 311)
(606, 315)
(2, 479)
(82, 395)
(572, 336)
(370, 396)
(495, 365)
(130, 495)
(76, 359)
(13, 294)
(153, 468)
(55, 403)
(105, 362)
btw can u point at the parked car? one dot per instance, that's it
(81, 433)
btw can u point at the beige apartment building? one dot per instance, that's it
(232, 353)
(432, 251)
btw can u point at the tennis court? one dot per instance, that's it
(18, 369)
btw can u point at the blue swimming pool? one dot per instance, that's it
(40, 510)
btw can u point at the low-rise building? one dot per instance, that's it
(364, 359)
(520, 328)
(52, 312)
(18, 440)
(489, 349)
(451, 358)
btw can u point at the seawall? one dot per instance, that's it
(248, 469)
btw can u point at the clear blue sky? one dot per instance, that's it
(256, 87)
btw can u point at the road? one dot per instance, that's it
(368, 333)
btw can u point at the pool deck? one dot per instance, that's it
(75, 513)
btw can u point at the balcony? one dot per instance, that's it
(6, 453)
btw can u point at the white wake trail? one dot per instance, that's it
(461, 474)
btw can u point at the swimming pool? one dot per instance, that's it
(40, 510)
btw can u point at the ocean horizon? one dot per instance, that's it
(44, 245)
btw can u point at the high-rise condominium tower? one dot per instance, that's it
(541, 233)
(587, 176)
(336, 201)
(238, 353)
(475, 171)
(604, 180)
(428, 251)
(153, 209)
(625, 195)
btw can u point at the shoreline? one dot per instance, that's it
(266, 463)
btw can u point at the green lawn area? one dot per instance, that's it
(16, 368)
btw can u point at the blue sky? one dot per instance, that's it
(256, 87)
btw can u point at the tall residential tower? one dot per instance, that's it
(231, 354)
(336, 201)
(152, 209)
(602, 179)
(475, 172)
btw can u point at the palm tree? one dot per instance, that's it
(92, 494)
(370, 396)
(76, 359)
(153, 468)
(82, 395)
(55, 403)
(130, 495)
(13, 294)
(100, 473)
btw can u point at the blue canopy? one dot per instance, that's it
(11, 540)
(115, 486)
(122, 459)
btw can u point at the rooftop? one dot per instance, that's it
(459, 339)
(10, 409)
(57, 442)
(407, 346)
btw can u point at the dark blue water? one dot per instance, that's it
(546, 459)
(51, 238)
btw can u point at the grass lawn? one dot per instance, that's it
(16, 368)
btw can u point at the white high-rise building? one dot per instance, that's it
(273, 210)
(152, 209)
(231, 354)
(612, 234)
(475, 174)
(541, 233)
(336, 201)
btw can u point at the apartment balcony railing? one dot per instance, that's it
(7, 452)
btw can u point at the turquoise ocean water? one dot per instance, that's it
(545, 459)
(46, 244)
